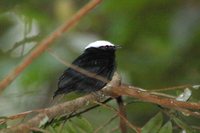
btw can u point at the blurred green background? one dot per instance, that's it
(159, 39)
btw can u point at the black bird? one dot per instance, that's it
(99, 59)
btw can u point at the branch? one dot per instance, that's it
(122, 112)
(135, 128)
(50, 113)
(111, 89)
(106, 123)
(22, 42)
(148, 97)
(66, 117)
(78, 69)
(46, 42)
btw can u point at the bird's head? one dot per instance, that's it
(104, 45)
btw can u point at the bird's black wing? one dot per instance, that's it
(99, 65)
(71, 80)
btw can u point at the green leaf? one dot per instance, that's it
(182, 125)
(51, 129)
(167, 128)
(153, 125)
(71, 128)
(83, 124)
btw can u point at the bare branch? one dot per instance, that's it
(148, 97)
(50, 113)
(66, 117)
(122, 111)
(111, 89)
(22, 42)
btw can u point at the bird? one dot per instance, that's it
(98, 58)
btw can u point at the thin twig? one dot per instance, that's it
(161, 94)
(78, 69)
(39, 130)
(195, 127)
(20, 115)
(187, 112)
(122, 111)
(46, 42)
(135, 128)
(114, 129)
(22, 42)
(172, 88)
(106, 123)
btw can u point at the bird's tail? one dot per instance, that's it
(61, 91)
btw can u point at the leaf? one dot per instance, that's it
(52, 129)
(44, 121)
(182, 125)
(83, 124)
(153, 125)
(167, 128)
(71, 128)
(184, 96)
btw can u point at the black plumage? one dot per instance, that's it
(99, 60)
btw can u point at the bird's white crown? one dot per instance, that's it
(98, 44)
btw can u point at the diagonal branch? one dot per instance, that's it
(135, 128)
(148, 97)
(46, 42)
(106, 123)
(50, 113)
(78, 69)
